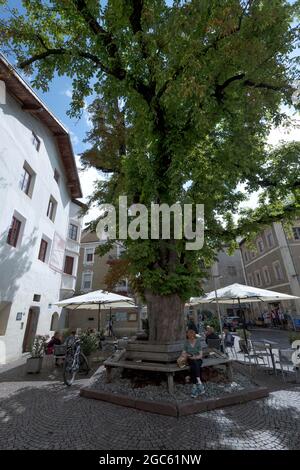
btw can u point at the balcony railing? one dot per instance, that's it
(73, 246)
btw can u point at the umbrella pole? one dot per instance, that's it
(244, 326)
(219, 317)
(99, 318)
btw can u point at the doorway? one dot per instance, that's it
(31, 327)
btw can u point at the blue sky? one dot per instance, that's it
(58, 100)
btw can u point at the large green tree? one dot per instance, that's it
(187, 92)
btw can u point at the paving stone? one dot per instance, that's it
(44, 414)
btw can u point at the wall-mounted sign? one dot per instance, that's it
(19, 316)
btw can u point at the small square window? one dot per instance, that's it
(89, 255)
(35, 141)
(36, 298)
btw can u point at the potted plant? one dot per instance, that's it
(35, 361)
(293, 336)
(89, 343)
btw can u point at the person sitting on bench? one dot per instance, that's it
(210, 334)
(193, 351)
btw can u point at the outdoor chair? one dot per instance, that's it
(248, 353)
(260, 352)
(231, 349)
(285, 362)
(214, 344)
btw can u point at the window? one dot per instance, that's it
(231, 270)
(250, 280)
(25, 181)
(35, 141)
(73, 231)
(14, 232)
(36, 298)
(266, 275)
(260, 245)
(296, 233)
(270, 239)
(43, 250)
(54, 322)
(252, 254)
(89, 255)
(278, 271)
(257, 278)
(86, 280)
(121, 316)
(132, 317)
(51, 211)
(69, 261)
(56, 175)
(246, 255)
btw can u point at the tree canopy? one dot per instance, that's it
(187, 92)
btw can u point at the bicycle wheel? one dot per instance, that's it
(83, 364)
(69, 376)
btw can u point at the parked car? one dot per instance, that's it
(233, 323)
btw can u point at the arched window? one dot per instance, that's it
(54, 321)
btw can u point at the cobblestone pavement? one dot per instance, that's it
(39, 412)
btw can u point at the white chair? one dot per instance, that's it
(248, 353)
(286, 363)
(260, 352)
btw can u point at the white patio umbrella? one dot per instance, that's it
(98, 299)
(237, 293)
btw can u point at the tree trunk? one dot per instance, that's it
(166, 317)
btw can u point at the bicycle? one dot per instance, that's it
(74, 360)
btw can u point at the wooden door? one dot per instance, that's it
(31, 327)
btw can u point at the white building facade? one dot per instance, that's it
(40, 218)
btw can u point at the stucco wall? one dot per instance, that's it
(85, 319)
(21, 273)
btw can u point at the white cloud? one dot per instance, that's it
(74, 138)
(88, 179)
(87, 115)
(277, 136)
(283, 134)
(67, 92)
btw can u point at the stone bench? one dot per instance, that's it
(170, 369)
